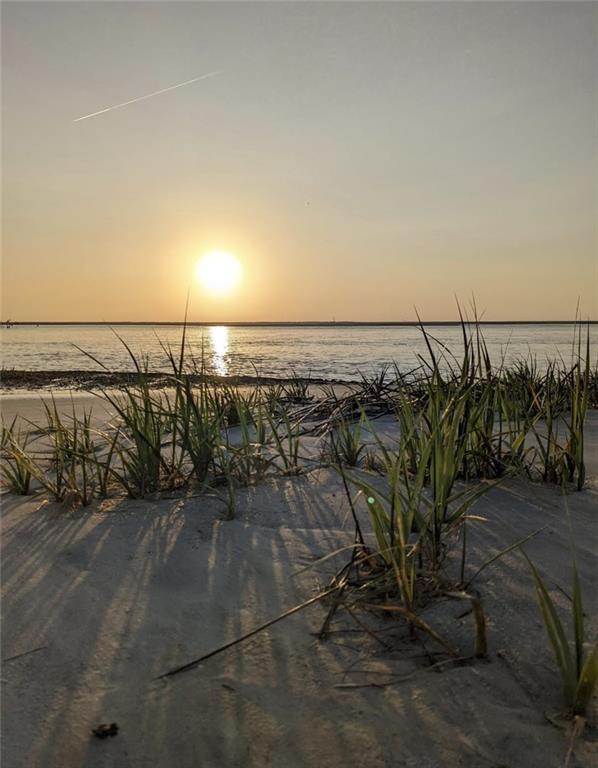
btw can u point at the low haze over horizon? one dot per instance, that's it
(299, 161)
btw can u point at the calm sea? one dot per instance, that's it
(333, 352)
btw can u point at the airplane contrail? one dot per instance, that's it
(149, 95)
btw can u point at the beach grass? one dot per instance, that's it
(465, 419)
(578, 666)
(17, 468)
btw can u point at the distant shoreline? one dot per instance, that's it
(291, 324)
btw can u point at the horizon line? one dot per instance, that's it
(282, 323)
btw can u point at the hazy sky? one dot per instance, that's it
(358, 158)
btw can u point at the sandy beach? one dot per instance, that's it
(99, 602)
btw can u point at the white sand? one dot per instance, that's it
(118, 593)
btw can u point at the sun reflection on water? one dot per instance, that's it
(219, 342)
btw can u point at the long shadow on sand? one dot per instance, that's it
(122, 592)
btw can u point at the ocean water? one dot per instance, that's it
(330, 352)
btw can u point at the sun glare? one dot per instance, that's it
(218, 272)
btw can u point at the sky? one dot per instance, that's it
(359, 159)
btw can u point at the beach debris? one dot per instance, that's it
(25, 653)
(196, 662)
(103, 730)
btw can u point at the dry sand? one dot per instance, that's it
(98, 602)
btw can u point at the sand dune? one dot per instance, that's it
(98, 602)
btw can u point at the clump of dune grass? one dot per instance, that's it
(346, 442)
(296, 390)
(198, 428)
(286, 440)
(212, 434)
(81, 470)
(103, 459)
(578, 666)
(579, 400)
(142, 432)
(251, 458)
(416, 513)
(17, 467)
(546, 428)
(57, 480)
(463, 426)
(233, 405)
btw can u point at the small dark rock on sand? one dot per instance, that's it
(104, 730)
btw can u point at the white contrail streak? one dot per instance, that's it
(149, 95)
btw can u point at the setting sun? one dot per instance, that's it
(218, 272)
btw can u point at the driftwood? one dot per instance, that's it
(192, 664)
